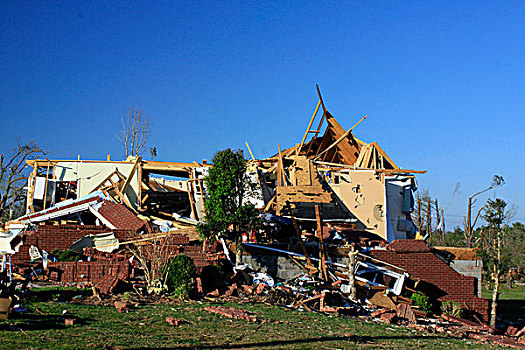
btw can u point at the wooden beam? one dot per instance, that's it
(280, 171)
(249, 150)
(320, 97)
(383, 153)
(340, 138)
(192, 201)
(130, 175)
(309, 126)
(322, 257)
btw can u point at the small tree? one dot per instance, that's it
(228, 213)
(497, 180)
(136, 127)
(495, 215)
(12, 178)
(153, 256)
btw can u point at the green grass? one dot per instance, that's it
(511, 304)
(103, 327)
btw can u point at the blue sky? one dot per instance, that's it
(442, 83)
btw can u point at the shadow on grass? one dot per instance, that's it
(63, 295)
(29, 322)
(277, 343)
(511, 309)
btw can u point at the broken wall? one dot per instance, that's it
(415, 257)
(364, 194)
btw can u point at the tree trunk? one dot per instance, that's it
(238, 251)
(495, 297)
(468, 229)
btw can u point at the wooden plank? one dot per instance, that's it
(320, 97)
(45, 189)
(249, 149)
(130, 175)
(280, 172)
(309, 126)
(101, 184)
(192, 201)
(322, 257)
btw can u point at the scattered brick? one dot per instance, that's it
(174, 321)
(232, 313)
(70, 321)
(214, 293)
(389, 317)
(121, 306)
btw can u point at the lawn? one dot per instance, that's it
(42, 327)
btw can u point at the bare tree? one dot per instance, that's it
(153, 254)
(497, 180)
(12, 178)
(136, 127)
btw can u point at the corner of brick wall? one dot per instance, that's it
(427, 267)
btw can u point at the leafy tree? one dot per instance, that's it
(495, 214)
(228, 212)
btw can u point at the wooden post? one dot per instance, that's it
(280, 170)
(322, 257)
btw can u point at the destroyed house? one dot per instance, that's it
(355, 183)
(322, 195)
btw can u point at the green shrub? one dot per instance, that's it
(452, 308)
(66, 255)
(422, 302)
(179, 279)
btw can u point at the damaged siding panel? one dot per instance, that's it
(89, 175)
(364, 196)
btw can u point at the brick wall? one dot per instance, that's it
(445, 283)
(49, 237)
(86, 271)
